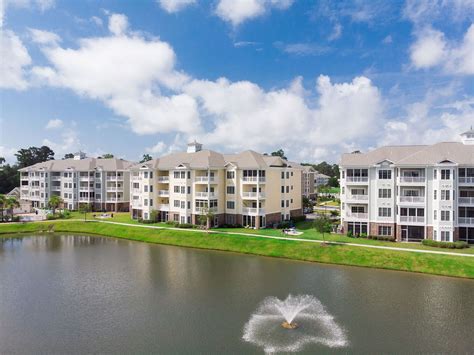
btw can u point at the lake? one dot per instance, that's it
(83, 294)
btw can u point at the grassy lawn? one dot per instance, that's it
(305, 227)
(335, 254)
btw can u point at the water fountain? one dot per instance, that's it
(288, 325)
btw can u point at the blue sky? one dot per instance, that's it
(316, 78)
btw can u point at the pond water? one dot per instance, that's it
(83, 294)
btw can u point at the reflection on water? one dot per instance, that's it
(67, 293)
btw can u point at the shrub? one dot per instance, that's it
(51, 217)
(387, 238)
(146, 221)
(447, 245)
(350, 234)
(185, 225)
(284, 225)
(363, 235)
(297, 219)
(16, 219)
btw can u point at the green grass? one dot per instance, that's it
(335, 254)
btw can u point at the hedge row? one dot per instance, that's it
(447, 245)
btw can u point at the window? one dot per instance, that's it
(189, 205)
(435, 174)
(287, 189)
(176, 203)
(230, 205)
(385, 230)
(435, 194)
(385, 212)
(435, 215)
(145, 202)
(151, 202)
(445, 195)
(287, 203)
(145, 174)
(445, 236)
(183, 204)
(282, 174)
(231, 190)
(445, 174)
(287, 175)
(97, 186)
(151, 188)
(385, 174)
(176, 189)
(283, 203)
(183, 189)
(189, 175)
(176, 174)
(445, 215)
(145, 188)
(230, 174)
(283, 189)
(151, 174)
(183, 175)
(189, 190)
(384, 193)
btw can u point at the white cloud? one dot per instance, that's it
(425, 12)
(15, 59)
(387, 40)
(336, 32)
(429, 49)
(54, 123)
(238, 11)
(97, 20)
(8, 154)
(69, 142)
(302, 49)
(172, 6)
(157, 149)
(118, 24)
(44, 37)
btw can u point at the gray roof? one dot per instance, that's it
(458, 153)
(87, 164)
(321, 175)
(471, 131)
(204, 159)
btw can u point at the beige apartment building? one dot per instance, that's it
(411, 192)
(247, 188)
(102, 183)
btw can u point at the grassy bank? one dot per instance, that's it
(334, 254)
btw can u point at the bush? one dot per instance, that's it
(350, 234)
(447, 245)
(297, 219)
(184, 225)
(284, 225)
(387, 238)
(363, 235)
(225, 225)
(51, 217)
(15, 219)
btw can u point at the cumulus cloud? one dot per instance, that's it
(67, 143)
(15, 60)
(425, 12)
(172, 6)
(44, 37)
(54, 123)
(158, 148)
(431, 49)
(118, 24)
(238, 11)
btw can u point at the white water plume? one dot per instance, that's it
(315, 325)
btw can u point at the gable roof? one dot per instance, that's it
(87, 164)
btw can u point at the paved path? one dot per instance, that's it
(291, 239)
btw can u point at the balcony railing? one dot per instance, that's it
(164, 179)
(253, 195)
(411, 199)
(136, 204)
(200, 194)
(114, 188)
(163, 193)
(253, 210)
(205, 209)
(358, 197)
(204, 179)
(113, 178)
(412, 179)
(466, 200)
(253, 179)
(163, 207)
(412, 219)
(466, 220)
(357, 179)
(357, 215)
(466, 180)
(114, 199)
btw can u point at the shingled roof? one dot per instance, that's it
(87, 164)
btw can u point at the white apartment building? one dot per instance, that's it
(411, 192)
(102, 183)
(248, 188)
(321, 179)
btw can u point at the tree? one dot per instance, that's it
(323, 225)
(2, 160)
(333, 182)
(2, 204)
(33, 155)
(9, 178)
(10, 204)
(106, 156)
(146, 157)
(68, 156)
(54, 202)
(279, 153)
(206, 217)
(84, 208)
(307, 203)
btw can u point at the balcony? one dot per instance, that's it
(114, 178)
(466, 220)
(163, 207)
(163, 193)
(204, 179)
(114, 199)
(358, 197)
(357, 179)
(466, 180)
(85, 188)
(55, 177)
(253, 211)
(114, 188)
(253, 195)
(136, 204)
(411, 199)
(466, 201)
(411, 179)
(357, 215)
(253, 179)
(412, 219)
(201, 194)
(205, 209)
(164, 179)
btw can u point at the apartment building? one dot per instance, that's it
(321, 179)
(102, 183)
(307, 179)
(248, 188)
(411, 192)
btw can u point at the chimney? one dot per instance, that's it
(194, 147)
(468, 137)
(79, 155)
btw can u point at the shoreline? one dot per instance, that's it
(288, 248)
